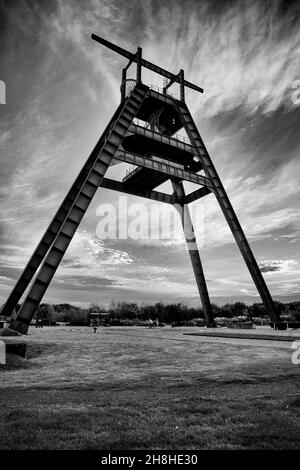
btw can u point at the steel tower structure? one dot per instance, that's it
(159, 155)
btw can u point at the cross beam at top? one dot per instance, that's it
(145, 63)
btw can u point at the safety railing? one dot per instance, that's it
(131, 171)
(160, 90)
(180, 143)
(158, 160)
(168, 169)
(146, 125)
(128, 85)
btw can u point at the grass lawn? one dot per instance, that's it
(138, 388)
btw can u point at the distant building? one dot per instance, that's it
(99, 318)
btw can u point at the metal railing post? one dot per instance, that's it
(181, 78)
(139, 65)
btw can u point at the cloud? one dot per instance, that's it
(62, 90)
(267, 269)
(92, 256)
(284, 266)
(237, 55)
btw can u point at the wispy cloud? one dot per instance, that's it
(62, 88)
(270, 266)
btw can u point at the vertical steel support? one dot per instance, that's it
(139, 65)
(85, 195)
(190, 238)
(123, 85)
(181, 81)
(228, 211)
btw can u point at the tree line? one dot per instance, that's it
(118, 312)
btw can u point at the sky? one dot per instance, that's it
(61, 90)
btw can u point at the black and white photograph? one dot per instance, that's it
(149, 229)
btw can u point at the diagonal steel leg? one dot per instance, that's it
(193, 252)
(228, 211)
(54, 227)
(85, 195)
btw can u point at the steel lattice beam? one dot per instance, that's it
(140, 192)
(166, 168)
(164, 139)
(227, 209)
(201, 192)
